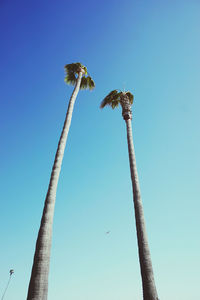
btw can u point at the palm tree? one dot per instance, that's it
(76, 74)
(125, 99)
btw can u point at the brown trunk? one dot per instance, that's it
(38, 286)
(149, 288)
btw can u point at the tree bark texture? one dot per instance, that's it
(149, 288)
(38, 286)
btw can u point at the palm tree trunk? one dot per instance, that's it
(149, 288)
(38, 286)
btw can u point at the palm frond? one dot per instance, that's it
(72, 67)
(75, 67)
(87, 83)
(83, 83)
(91, 84)
(72, 71)
(70, 78)
(85, 69)
(112, 99)
(114, 104)
(130, 96)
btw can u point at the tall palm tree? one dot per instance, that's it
(76, 74)
(125, 99)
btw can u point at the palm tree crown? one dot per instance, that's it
(72, 71)
(125, 99)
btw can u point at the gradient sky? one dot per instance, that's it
(150, 48)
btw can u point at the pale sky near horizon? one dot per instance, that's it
(150, 48)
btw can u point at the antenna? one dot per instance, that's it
(124, 86)
(11, 272)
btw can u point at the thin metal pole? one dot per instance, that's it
(11, 272)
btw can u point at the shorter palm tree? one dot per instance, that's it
(125, 99)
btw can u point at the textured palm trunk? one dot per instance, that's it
(38, 286)
(149, 288)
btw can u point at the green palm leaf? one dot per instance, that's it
(71, 76)
(87, 83)
(130, 96)
(75, 67)
(114, 104)
(83, 83)
(91, 84)
(112, 99)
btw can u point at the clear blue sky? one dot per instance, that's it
(150, 48)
